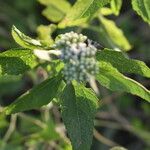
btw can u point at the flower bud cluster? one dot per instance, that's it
(78, 57)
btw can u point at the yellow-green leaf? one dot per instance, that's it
(82, 11)
(25, 41)
(16, 61)
(116, 6)
(115, 35)
(142, 7)
(45, 34)
(55, 9)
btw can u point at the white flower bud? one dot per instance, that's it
(78, 57)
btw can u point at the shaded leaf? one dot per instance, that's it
(122, 63)
(110, 78)
(16, 61)
(79, 105)
(82, 11)
(38, 96)
(142, 7)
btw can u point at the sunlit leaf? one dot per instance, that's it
(142, 7)
(114, 35)
(55, 9)
(25, 41)
(45, 34)
(82, 11)
(16, 61)
(116, 6)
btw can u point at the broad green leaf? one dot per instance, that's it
(82, 11)
(114, 35)
(122, 63)
(55, 10)
(142, 7)
(45, 34)
(25, 41)
(112, 79)
(38, 96)
(116, 6)
(10, 84)
(16, 61)
(79, 105)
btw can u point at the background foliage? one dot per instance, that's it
(123, 119)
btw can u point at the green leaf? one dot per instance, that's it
(122, 63)
(114, 35)
(45, 34)
(79, 105)
(16, 61)
(55, 10)
(112, 79)
(105, 11)
(142, 7)
(25, 41)
(38, 96)
(82, 11)
(116, 6)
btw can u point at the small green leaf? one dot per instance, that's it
(25, 41)
(40, 95)
(114, 35)
(79, 105)
(82, 11)
(55, 10)
(112, 79)
(16, 61)
(142, 7)
(116, 6)
(122, 63)
(106, 11)
(45, 34)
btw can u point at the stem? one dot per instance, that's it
(103, 139)
(11, 127)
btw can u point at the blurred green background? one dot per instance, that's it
(122, 120)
